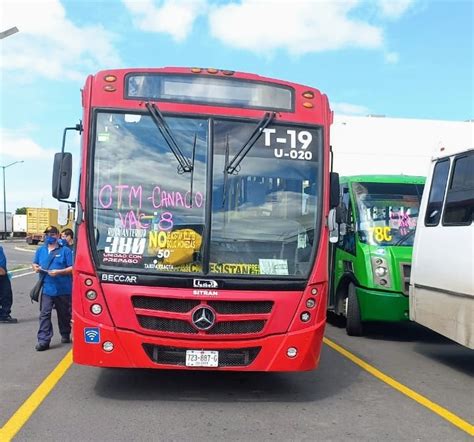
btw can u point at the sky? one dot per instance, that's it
(399, 58)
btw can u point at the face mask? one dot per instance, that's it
(62, 242)
(49, 239)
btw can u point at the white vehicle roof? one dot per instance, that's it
(381, 145)
(448, 152)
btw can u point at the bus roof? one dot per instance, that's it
(447, 152)
(409, 179)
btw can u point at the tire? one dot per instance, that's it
(353, 321)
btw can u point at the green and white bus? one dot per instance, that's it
(371, 260)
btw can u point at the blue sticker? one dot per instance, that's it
(92, 335)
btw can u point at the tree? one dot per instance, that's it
(20, 211)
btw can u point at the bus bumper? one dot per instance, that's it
(136, 350)
(378, 305)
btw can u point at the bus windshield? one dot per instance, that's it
(387, 213)
(151, 216)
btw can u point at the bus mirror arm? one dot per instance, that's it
(62, 170)
(79, 213)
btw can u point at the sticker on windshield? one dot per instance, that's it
(103, 137)
(381, 234)
(294, 144)
(273, 266)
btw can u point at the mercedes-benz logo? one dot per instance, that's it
(204, 318)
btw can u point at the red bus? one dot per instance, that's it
(201, 221)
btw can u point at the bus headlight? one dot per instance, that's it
(305, 316)
(96, 309)
(310, 302)
(108, 346)
(91, 295)
(381, 271)
(292, 352)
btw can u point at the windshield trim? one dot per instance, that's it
(356, 210)
(238, 280)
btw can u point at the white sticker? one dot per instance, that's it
(273, 266)
(302, 240)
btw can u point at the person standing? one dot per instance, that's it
(67, 238)
(6, 295)
(56, 262)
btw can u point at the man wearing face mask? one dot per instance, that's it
(55, 262)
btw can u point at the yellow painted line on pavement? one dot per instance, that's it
(20, 269)
(23, 274)
(21, 416)
(422, 400)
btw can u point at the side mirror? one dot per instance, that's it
(333, 227)
(334, 190)
(62, 175)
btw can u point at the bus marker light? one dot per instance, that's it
(305, 316)
(108, 346)
(91, 295)
(96, 309)
(383, 282)
(88, 282)
(228, 72)
(110, 78)
(308, 94)
(212, 70)
(314, 291)
(308, 105)
(109, 88)
(292, 352)
(310, 302)
(196, 70)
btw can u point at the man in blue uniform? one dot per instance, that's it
(55, 262)
(6, 296)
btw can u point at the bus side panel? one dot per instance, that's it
(442, 277)
(443, 263)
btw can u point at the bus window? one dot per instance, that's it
(438, 186)
(459, 208)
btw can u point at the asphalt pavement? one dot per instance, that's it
(337, 402)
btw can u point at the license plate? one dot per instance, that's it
(202, 358)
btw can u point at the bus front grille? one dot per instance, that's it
(165, 324)
(179, 305)
(175, 315)
(239, 357)
(165, 304)
(241, 307)
(236, 327)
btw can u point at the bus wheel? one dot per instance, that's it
(353, 322)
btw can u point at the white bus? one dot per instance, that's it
(442, 274)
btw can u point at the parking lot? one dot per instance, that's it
(398, 382)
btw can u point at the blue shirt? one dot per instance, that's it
(55, 285)
(3, 260)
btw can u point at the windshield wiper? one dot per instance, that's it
(157, 117)
(404, 238)
(233, 166)
(226, 173)
(192, 172)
